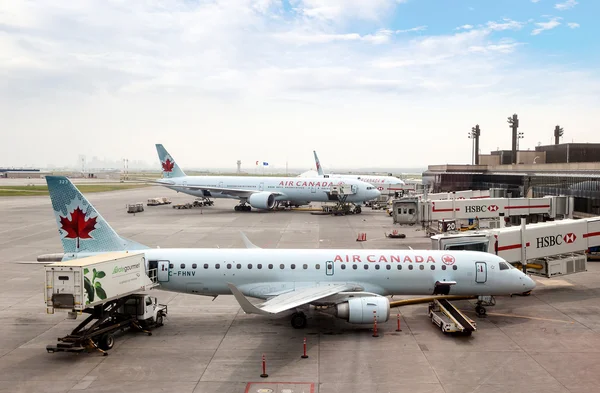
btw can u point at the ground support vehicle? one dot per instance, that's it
(107, 287)
(449, 318)
(97, 332)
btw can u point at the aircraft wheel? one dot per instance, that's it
(480, 310)
(236, 208)
(247, 208)
(298, 320)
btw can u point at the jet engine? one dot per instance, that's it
(262, 200)
(360, 309)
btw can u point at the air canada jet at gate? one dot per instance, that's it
(260, 192)
(348, 284)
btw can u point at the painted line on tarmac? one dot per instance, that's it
(524, 316)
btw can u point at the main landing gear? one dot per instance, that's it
(484, 301)
(298, 320)
(242, 208)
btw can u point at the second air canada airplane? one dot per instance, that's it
(261, 192)
(349, 284)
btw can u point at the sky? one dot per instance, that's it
(366, 83)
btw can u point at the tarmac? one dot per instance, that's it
(547, 342)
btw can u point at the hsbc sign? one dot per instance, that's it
(555, 240)
(481, 208)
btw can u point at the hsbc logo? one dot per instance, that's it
(481, 208)
(556, 240)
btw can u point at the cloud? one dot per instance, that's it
(418, 28)
(573, 25)
(304, 38)
(566, 5)
(535, 1)
(543, 26)
(336, 10)
(255, 70)
(506, 24)
(464, 27)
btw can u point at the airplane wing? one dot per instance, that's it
(292, 299)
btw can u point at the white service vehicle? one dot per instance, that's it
(83, 283)
(549, 249)
(104, 286)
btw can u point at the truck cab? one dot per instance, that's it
(145, 308)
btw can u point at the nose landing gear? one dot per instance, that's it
(482, 301)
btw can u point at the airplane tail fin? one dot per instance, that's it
(81, 227)
(318, 164)
(169, 166)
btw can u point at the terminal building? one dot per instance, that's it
(22, 173)
(571, 169)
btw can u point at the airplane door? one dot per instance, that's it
(329, 268)
(313, 189)
(163, 271)
(261, 186)
(480, 272)
(220, 184)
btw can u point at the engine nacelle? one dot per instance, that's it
(262, 200)
(360, 309)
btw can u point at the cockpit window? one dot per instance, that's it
(504, 266)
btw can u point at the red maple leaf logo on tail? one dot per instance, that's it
(78, 227)
(168, 165)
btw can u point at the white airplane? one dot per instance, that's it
(382, 183)
(349, 284)
(260, 192)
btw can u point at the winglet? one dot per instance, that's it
(247, 241)
(248, 307)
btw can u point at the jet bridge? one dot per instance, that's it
(415, 210)
(547, 249)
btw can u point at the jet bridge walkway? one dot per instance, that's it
(449, 318)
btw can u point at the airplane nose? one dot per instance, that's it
(530, 283)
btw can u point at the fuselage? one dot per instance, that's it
(290, 188)
(265, 272)
(371, 179)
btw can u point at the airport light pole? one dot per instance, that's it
(558, 133)
(474, 135)
(520, 135)
(514, 124)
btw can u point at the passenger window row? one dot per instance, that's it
(317, 266)
(399, 267)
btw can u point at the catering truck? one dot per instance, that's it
(107, 287)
